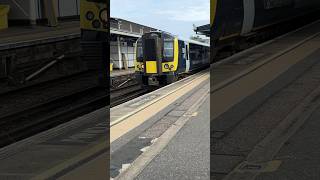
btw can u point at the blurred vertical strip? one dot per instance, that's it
(95, 38)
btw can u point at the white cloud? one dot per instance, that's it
(187, 10)
(175, 16)
(178, 10)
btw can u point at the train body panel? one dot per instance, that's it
(199, 56)
(230, 18)
(238, 24)
(164, 57)
(270, 12)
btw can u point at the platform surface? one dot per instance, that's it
(57, 152)
(27, 35)
(262, 113)
(187, 156)
(135, 125)
(299, 157)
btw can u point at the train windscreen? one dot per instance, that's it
(150, 50)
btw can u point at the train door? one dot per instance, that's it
(187, 57)
(248, 16)
(182, 57)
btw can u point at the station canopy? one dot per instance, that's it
(203, 30)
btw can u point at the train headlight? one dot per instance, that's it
(103, 15)
(172, 66)
(90, 15)
(166, 66)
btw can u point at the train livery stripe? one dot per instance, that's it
(213, 10)
(248, 16)
(176, 54)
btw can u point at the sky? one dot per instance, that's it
(174, 16)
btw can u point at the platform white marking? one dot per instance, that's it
(145, 158)
(155, 100)
(124, 167)
(145, 149)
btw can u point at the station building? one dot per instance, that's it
(124, 34)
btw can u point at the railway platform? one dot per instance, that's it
(264, 102)
(22, 36)
(26, 49)
(160, 122)
(55, 153)
(264, 110)
(25, 38)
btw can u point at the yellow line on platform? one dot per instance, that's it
(126, 116)
(146, 113)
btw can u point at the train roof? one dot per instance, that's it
(182, 39)
(195, 42)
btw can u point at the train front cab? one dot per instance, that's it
(157, 59)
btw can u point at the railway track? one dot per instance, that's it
(30, 111)
(54, 102)
(126, 92)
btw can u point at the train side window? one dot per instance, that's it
(139, 51)
(168, 50)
